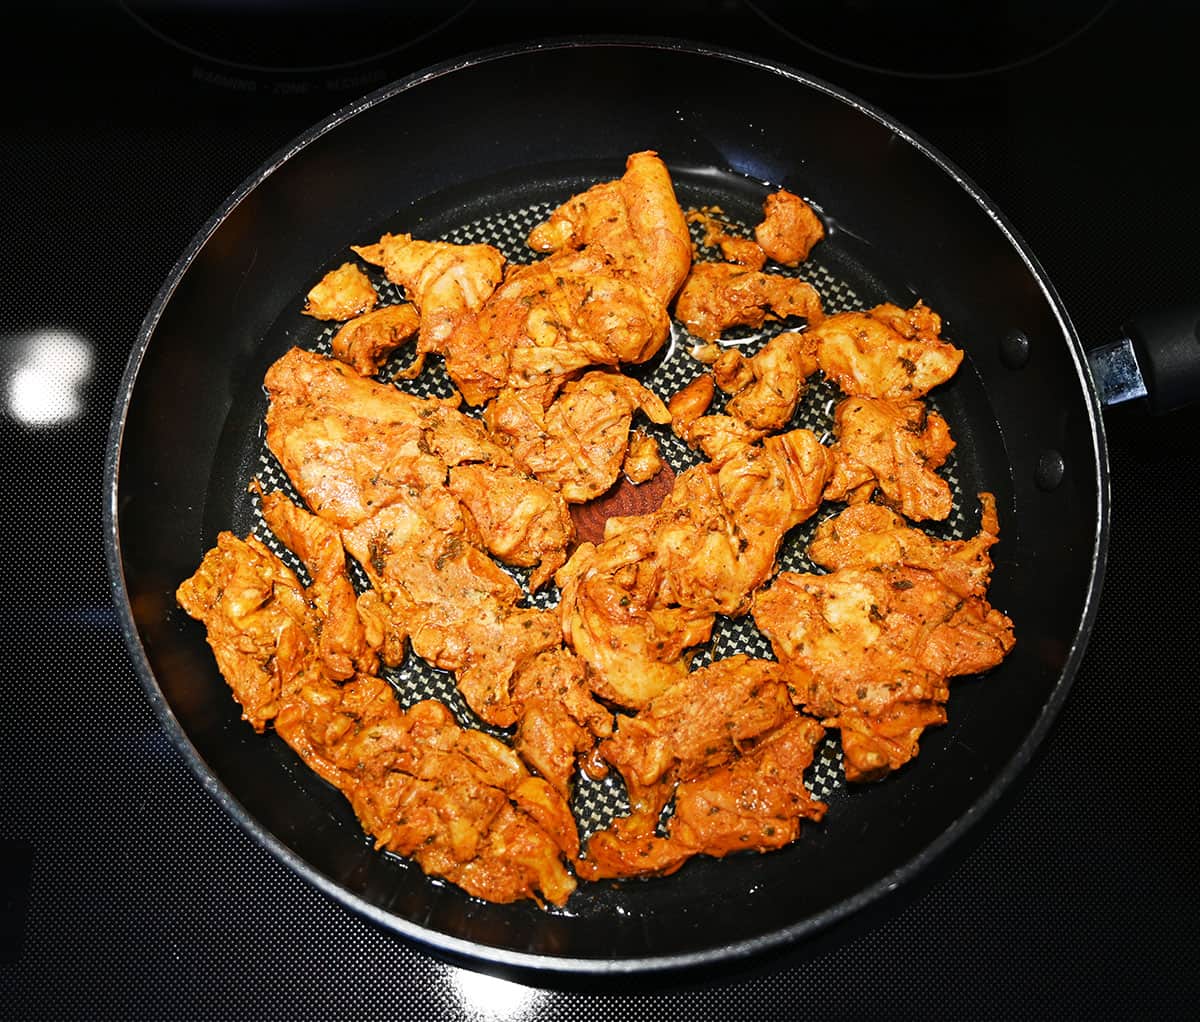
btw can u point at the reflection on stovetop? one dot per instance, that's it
(125, 886)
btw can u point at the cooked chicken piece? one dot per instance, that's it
(755, 803)
(560, 721)
(634, 221)
(634, 645)
(352, 446)
(445, 281)
(260, 624)
(459, 802)
(341, 294)
(700, 722)
(692, 400)
(717, 296)
(550, 319)
(634, 604)
(895, 446)
(367, 341)
(716, 534)
(887, 352)
(871, 646)
(869, 534)
(790, 229)
(734, 249)
(578, 444)
(720, 437)
(766, 387)
(342, 643)
(457, 607)
(521, 521)
(643, 461)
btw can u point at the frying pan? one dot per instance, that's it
(485, 141)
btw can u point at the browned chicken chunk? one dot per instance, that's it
(635, 221)
(521, 521)
(446, 282)
(754, 803)
(341, 294)
(643, 461)
(717, 296)
(895, 447)
(888, 352)
(734, 248)
(700, 722)
(790, 228)
(367, 341)
(259, 622)
(342, 643)
(871, 645)
(578, 444)
(550, 319)
(560, 720)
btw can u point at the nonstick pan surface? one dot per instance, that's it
(480, 149)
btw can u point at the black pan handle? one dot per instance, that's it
(1157, 361)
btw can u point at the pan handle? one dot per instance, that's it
(1156, 361)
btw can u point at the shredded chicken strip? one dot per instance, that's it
(560, 720)
(445, 281)
(700, 722)
(734, 249)
(755, 803)
(635, 221)
(632, 605)
(643, 460)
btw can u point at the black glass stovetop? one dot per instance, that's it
(126, 891)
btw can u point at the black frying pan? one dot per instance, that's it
(467, 143)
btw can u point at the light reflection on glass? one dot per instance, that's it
(489, 999)
(45, 377)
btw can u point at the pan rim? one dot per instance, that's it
(469, 951)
